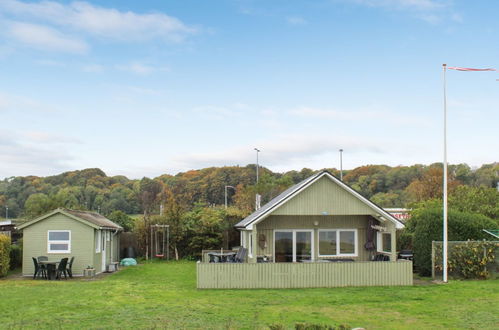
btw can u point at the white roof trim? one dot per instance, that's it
(384, 215)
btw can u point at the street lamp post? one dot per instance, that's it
(257, 166)
(226, 194)
(341, 164)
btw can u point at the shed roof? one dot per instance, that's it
(91, 218)
(289, 193)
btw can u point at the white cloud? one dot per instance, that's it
(102, 22)
(403, 4)
(93, 68)
(141, 68)
(45, 38)
(41, 137)
(296, 20)
(278, 151)
(372, 115)
(25, 155)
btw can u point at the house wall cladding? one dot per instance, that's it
(303, 275)
(35, 242)
(324, 196)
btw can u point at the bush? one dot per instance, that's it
(16, 255)
(428, 227)
(122, 219)
(4, 254)
(468, 259)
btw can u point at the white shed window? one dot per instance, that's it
(338, 242)
(59, 241)
(384, 242)
(98, 241)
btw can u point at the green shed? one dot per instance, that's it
(89, 237)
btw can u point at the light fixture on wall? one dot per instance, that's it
(316, 223)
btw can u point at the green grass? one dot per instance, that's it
(163, 295)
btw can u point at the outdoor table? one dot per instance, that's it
(51, 266)
(224, 256)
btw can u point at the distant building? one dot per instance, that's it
(400, 214)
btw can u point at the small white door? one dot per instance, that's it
(103, 252)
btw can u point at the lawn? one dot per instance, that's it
(163, 295)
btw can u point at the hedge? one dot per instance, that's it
(4, 254)
(461, 226)
(16, 255)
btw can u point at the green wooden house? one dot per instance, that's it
(89, 237)
(318, 233)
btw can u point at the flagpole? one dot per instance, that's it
(445, 178)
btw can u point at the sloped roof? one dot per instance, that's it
(297, 188)
(94, 218)
(90, 218)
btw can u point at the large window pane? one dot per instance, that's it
(303, 246)
(327, 242)
(283, 246)
(347, 242)
(58, 236)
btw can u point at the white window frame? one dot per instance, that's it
(294, 231)
(49, 242)
(250, 245)
(379, 241)
(338, 243)
(98, 241)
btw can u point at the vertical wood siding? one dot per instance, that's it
(302, 275)
(324, 196)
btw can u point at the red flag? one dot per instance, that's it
(470, 69)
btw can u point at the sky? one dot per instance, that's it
(143, 88)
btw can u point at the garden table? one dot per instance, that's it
(51, 266)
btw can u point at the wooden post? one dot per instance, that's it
(393, 236)
(254, 244)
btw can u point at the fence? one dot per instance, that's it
(303, 275)
(466, 259)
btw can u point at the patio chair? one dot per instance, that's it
(61, 269)
(69, 269)
(44, 267)
(39, 271)
(240, 256)
(381, 257)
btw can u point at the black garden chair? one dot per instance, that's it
(69, 269)
(61, 269)
(39, 271)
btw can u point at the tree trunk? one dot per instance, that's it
(176, 253)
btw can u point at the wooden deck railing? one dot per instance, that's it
(302, 275)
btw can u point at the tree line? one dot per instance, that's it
(91, 189)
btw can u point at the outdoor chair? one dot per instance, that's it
(39, 271)
(61, 269)
(240, 256)
(381, 257)
(43, 267)
(69, 269)
(213, 258)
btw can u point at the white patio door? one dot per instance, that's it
(293, 245)
(104, 250)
